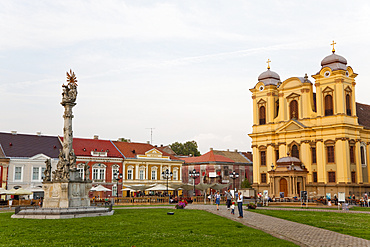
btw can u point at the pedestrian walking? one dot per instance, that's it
(218, 199)
(228, 198)
(233, 208)
(240, 204)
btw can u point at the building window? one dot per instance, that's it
(353, 177)
(175, 173)
(99, 172)
(348, 105)
(141, 174)
(263, 158)
(154, 175)
(314, 177)
(226, 171)
(313, 155)
(294, 109)
(129, 174)
(115, 170)
(277, 154)
(262, 115)
(331, 176)
(330, 154)
(80, 169)
(263, 178)
(276, 108)
(352, 154)
(114, 190)
(35, 173)
(18, 173)
(295, 151)
(328, 105)
(42, 173)
(362, 150)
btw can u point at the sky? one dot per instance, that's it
(183, 68)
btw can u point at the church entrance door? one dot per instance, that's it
(284, 186)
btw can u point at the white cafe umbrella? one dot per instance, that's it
(159, 187)
(100, 188)
(3, 191)
(139, 187)
(22, 191)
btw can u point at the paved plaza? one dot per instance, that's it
(300, 234)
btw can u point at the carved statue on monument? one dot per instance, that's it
(87, 172)
(47, 171)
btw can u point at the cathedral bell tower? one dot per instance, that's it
(335, 87)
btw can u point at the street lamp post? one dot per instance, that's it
(194, 174)
(117, 177)
(234, 175)
(167, 175)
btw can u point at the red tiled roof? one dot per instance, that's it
(23, 145)
(208, 157)
(363, 114)
(83, 147)
(131, 149)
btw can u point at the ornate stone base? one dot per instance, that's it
(63, 213)
(66, 194)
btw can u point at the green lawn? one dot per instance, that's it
(135, 227)
(353, 224)
(360, 209)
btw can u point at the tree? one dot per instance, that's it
(246, 183)
(187, 148)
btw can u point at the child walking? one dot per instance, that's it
(232, 208)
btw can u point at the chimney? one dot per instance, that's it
(14, 132)
(211, 149)
(228, 150)
(148, 142)
(236, 150)
(96, 137)
(161, 145)
(38, 133)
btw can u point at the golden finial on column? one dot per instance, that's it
(333, 46)
(268, 63)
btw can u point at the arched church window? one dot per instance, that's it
(348, 105)
(295, 151)
(294, 109)
(262, 115)
(328, 105)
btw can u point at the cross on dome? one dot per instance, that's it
(333, 46)
(268, 63)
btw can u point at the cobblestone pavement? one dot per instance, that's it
(303, 235)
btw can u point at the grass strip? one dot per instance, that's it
(357, 225)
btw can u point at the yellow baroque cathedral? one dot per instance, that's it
(310, 136)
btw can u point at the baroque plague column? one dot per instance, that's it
(64, 188)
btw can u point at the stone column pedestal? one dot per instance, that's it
(66, 194)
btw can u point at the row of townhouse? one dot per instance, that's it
(23, 156)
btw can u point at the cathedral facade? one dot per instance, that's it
(310, 136)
